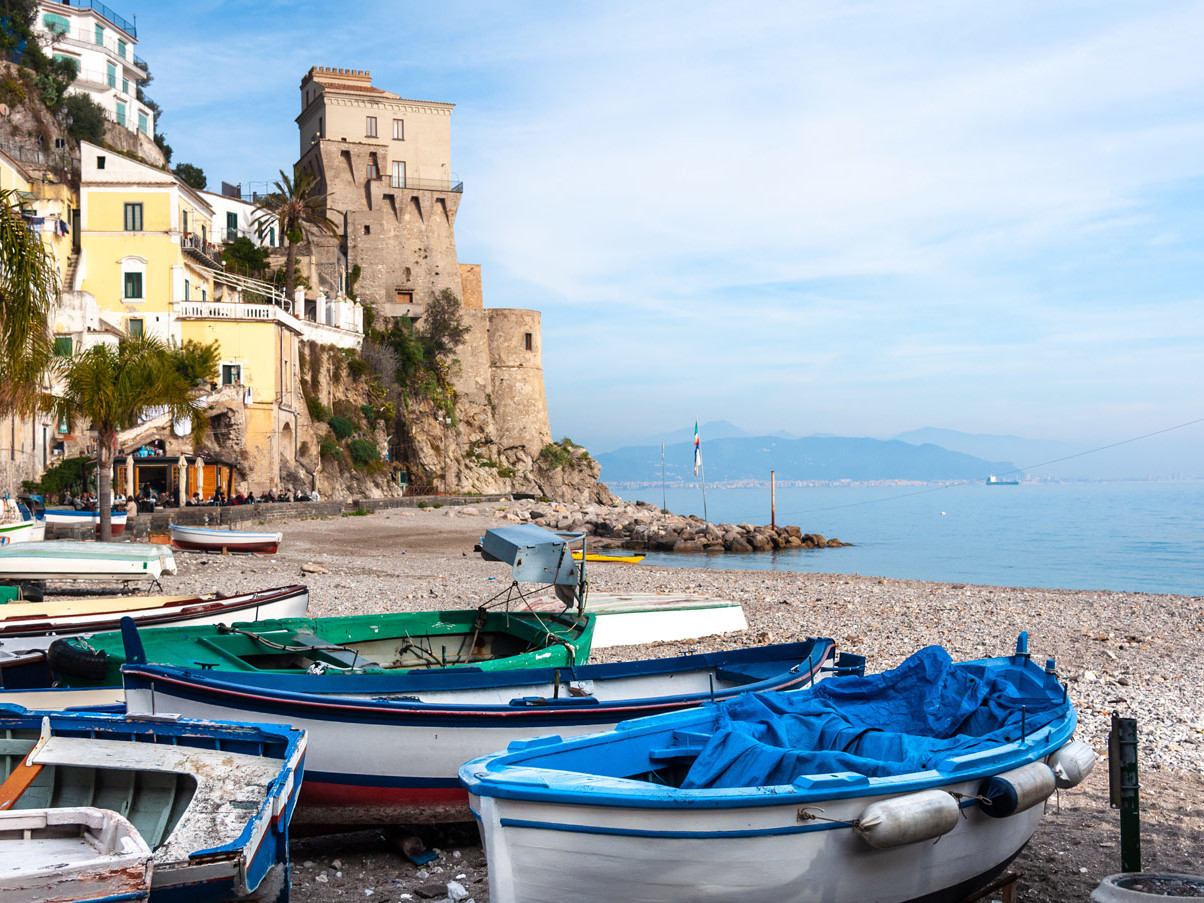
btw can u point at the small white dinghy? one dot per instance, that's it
(67, 560)
(62, 855)
(206, 539)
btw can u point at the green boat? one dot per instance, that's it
(504, 633)
(363, 644)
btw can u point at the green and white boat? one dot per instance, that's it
(502, 634)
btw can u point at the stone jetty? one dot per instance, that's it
(644, 526)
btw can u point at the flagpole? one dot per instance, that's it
(664, 492)
(702, 472)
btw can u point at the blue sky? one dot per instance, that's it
(837, 217)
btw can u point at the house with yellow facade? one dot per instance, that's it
(47, 203)
(149, 263)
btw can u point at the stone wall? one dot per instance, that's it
(520, 405)
(471, 295)
(402, 239)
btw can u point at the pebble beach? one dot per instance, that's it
(1134, 653)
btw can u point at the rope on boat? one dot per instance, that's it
(282, 647)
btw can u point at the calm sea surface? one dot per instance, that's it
(1146, 537)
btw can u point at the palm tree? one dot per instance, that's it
(28, 292)
(292, 204)
(109, 387)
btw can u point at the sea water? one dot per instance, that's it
(1137, 536)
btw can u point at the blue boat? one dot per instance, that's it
(838, 793)
(212, 801)
(384, 748)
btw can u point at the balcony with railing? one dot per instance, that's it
(200, 247)
(105, 13)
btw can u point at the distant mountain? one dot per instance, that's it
(812, 458)
(1025, 452)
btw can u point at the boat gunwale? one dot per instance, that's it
(501, 775)
(179, 609)
(258, 692)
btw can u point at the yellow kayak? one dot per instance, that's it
(635, 558)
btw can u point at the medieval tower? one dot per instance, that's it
(383, 163)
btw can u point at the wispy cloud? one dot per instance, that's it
(834, 216)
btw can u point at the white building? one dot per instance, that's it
(100, 44)
(235, 218)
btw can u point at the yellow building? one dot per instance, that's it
(145, 241)
(27, 443)
(149, 265)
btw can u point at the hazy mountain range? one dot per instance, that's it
(739, 458)
(730, 453)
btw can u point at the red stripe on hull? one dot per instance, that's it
(266, 547)
(322, 794)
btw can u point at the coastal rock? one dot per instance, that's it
(740, 545)
(687, 545)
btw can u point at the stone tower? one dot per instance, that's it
(384, 164)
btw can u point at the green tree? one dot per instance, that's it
(87, 118)
(109, 387)
(28, 292)
(197, 362)
(441, 329)
(292, 204)
(244, 257)
(191, 175)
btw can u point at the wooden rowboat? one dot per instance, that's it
(385, 748)
(837, 792)
(72, 854)
(212, 801)
(204, 539)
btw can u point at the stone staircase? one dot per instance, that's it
(72, 268)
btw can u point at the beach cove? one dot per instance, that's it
(1135, 653)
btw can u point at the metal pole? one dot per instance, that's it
(1125, 787)
(664, 492)
(773, 517)
(702, 472)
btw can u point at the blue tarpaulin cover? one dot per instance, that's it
(896, 722)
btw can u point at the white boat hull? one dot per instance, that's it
(85, 561)
(23, 531)
(76, 853)
(65, 518)
(537, 850)
(628, 619)
(204, 539)
(396, 774)
(35, 625)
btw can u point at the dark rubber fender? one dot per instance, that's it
(72, 661)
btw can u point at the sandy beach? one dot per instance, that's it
(1138, 654)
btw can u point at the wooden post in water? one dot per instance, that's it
(772, 499)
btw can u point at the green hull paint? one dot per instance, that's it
(390, 643)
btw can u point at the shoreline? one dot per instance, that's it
(1132, 652)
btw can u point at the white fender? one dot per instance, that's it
(908, 819)
(1072, 763)
(1016, 790)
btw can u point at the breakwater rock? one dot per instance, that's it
(643, 526)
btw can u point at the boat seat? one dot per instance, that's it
(750, 673)
(228, 784)
(344, 658)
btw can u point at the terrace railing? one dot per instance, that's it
(96, 6)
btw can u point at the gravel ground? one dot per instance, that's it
(1135, 653)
